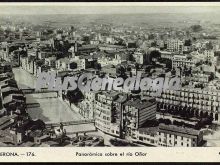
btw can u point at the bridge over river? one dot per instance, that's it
(75, 122)
(34, 91)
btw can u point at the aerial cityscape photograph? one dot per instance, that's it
(109, 76)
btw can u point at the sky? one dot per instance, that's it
(105, 8)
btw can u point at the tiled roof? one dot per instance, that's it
(121, 98)
(178, 130)
(149, 130)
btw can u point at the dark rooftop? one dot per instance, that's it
(179, 130)
(139, 104)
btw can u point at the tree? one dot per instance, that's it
(86, 39)
(188, 42)
(183, 113)
(131, 57)
(210, 118)
(153, 44)
(137, 66)
(173, 72)
(196, 28)
(150, 123)
(169, 64)
(209, 46)
(167, 121)
(196, 113)
(97, 66)
(151, 36)
(74, 96)
(197, 126)
(201, 114)
(206, 114)
(120, 70)
(216, 117)
(212, 76)
(155, 54)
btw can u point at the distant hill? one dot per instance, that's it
(163, 19)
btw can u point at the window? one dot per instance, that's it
(181, 143)
(141, 138)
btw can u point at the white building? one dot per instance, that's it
(175, 45)
(167, 55)
(182, 61)
(139, 57)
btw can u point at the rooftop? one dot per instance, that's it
(178, 130)
(121, 98)
(149, 130)
(139, 104)
(112, 46)
(110, 93)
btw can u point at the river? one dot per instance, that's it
(52, 109)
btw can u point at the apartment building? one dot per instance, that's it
(124, 117)
(118, 115)
(167, 55)
(104, 111)
(88, 104)
(136, 112)
(183, 61)
(197, 77)
(204, 101)
(139, 57)
(175, 45)
(85, 62)
(28, 63)
(105, 60)
(209, 54)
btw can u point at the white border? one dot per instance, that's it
(191, 4)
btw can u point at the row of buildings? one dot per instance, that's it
(125, 116)
(118, 115)
(124, 53)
